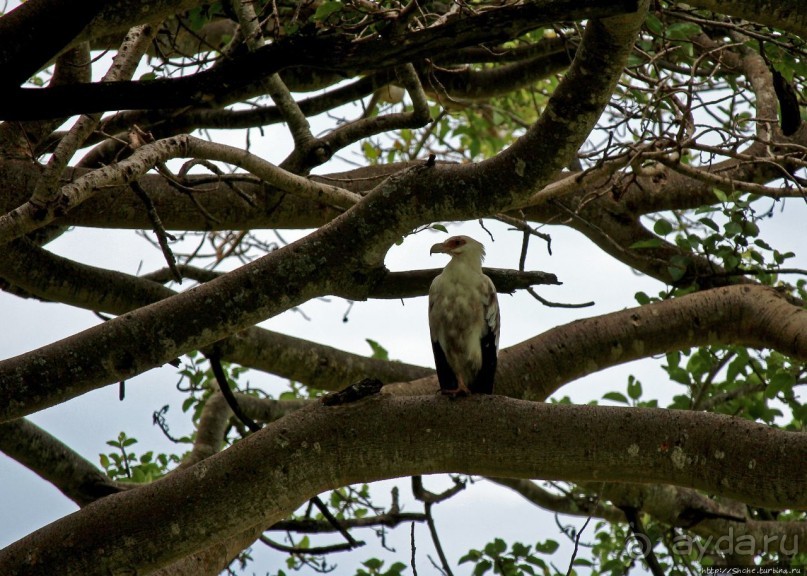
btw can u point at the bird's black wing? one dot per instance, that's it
(445, 375)
(483, 383)
(489, 342)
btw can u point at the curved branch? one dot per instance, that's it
(671, 505)
(266, 476)
(163, 125)
(35, 214)
(162, 331)
(561, 504)
(388, 285)
(49, 458)
(326, 52)
(749, 315)
(783, 14)
(59, 279)
(470, 84)
(37, 31)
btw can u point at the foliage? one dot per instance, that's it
(124, 464)
(520, 559)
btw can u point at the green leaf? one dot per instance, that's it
(482, 567)
(496, 548)
(547, 546)
(676, 273)
(439, 227)
(653, 24)
(615, 397)
(396, 569)
(780, 382)
(720, 195)
(710, 223)
(733, 228)
(379, 352)
(683, 30)
(471, 556)
(373, 563)
(370, 151)
(519, 549)
(326, 9)
(662, 227)
(649, 243)
(750, 228)
(634, 388)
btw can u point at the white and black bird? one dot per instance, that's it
(464, 320)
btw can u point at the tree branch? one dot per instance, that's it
(749, 315)
(294, 274)
(59, 279)
(37, 31)
(561, 504)
(269, 474)
(785, 14)
(55, 462)
(333, 53)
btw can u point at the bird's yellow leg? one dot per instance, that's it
(461, 390)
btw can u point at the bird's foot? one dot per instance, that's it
(460, 390)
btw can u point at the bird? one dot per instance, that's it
(464, 320)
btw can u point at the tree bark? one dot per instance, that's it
(266, 476)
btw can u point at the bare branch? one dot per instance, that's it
(49, 458)
(524, 439)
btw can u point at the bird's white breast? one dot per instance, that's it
(457, 300)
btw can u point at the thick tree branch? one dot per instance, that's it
(36, 31)
(391, 285)
(469, 84)
(163, 125)
(36, 214)
(49, 458)
(23, 139)
(328, 53)
(266, 476)
(671, 505)
(582, 505)
(59, 279)
(783, 14)
(749, 315)
(359, 239)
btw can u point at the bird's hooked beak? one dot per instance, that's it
(438, 248)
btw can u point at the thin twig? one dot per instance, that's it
(423, 495)
(336, 524)
(221, 378)
(218, 371)
(550, 304)
(163, 236)
(645, 544)
(576, 546)
(316, 551)
(412, 546)
(436, 539)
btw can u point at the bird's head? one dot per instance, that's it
(463, 247)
